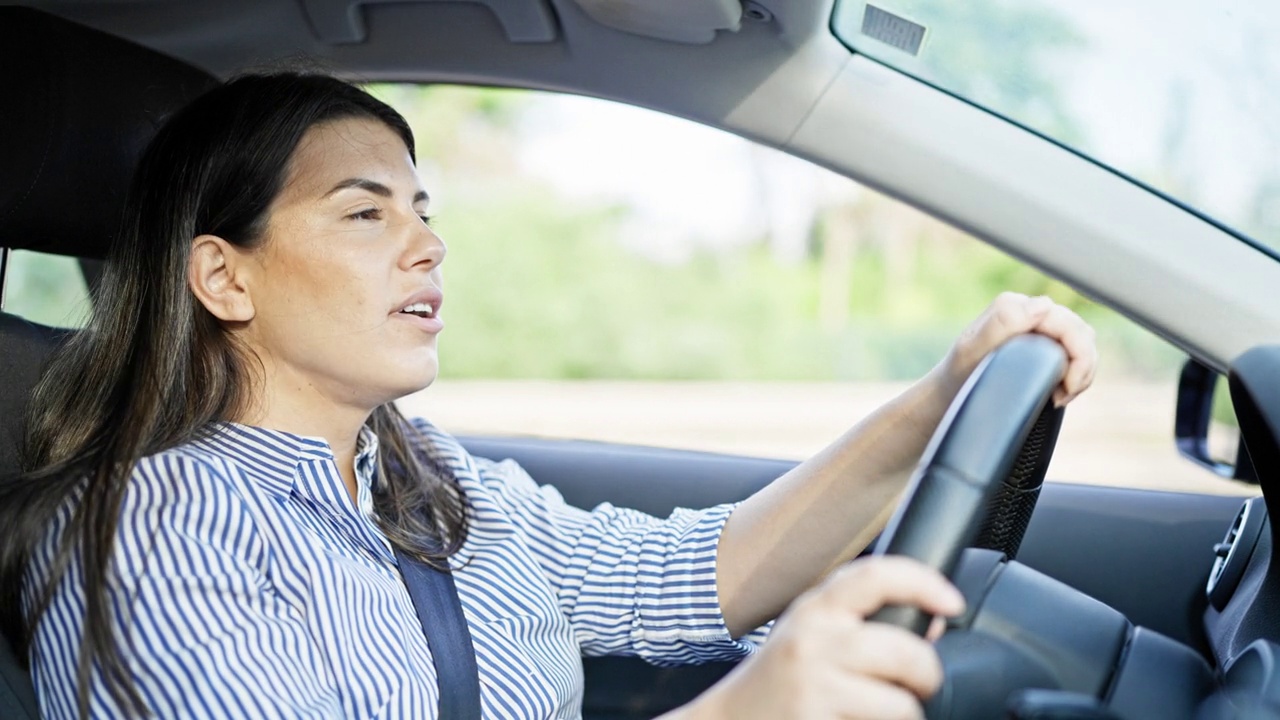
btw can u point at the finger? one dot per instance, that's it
(937, 628)
(1077, 338)
(868, 584)
(1012, 313)
(896, 656)
(1008, 315)
(865, 698)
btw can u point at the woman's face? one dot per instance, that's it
(347, 252)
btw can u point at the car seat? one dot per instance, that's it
(77, 107)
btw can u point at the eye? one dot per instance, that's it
(370, 214)
(427, 220)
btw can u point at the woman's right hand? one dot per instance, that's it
(823, 659)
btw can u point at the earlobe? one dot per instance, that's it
(217, 278)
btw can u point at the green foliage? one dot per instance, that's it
(537, 290)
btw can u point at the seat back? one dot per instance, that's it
(24, 347)
(77, 107)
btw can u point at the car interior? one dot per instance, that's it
(1120, 603)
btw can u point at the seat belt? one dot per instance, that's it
(435, 597)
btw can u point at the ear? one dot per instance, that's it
(217, 276)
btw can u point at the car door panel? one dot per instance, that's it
(1145, 553)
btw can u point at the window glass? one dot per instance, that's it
(617, 274)
(1179, 95)
(1224, 427)
(48, 289)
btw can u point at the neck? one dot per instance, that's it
(298, 407)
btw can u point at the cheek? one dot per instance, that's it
(316, 288)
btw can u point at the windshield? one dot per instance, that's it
(1182, 96)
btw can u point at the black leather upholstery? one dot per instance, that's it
(77, 107)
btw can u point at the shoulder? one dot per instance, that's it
(185, 477)
(188, 506)
(171, 501)
(504, 479)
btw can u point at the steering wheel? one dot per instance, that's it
(971, 452)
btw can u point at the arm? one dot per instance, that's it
(786, 537)
(630, 583)
(202, 632)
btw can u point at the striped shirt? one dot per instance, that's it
(245, 583)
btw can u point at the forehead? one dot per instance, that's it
(336, 150)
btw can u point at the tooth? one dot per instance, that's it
(420, 308)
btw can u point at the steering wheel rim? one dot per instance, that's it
(970, 453)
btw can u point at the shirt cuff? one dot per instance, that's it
(678, 617)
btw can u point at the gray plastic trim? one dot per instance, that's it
(339, 22)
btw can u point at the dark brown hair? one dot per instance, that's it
(154, 369)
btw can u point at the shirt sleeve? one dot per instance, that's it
(200, 628)
(630, 583)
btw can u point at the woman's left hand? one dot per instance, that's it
(1013, 314)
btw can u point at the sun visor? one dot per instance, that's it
(685, 21)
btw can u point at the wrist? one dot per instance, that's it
(931, 396)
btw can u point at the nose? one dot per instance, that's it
(426, 250)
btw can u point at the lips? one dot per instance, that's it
(422, 309)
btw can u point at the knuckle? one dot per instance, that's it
(874, 575)
(857, 573)
(1007, 315)
(814, 609)
(803, 606)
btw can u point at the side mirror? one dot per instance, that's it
(1207, 433)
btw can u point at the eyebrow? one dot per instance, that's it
(374, 187)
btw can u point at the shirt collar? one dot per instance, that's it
(273, 456)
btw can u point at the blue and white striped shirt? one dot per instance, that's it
(246, 584)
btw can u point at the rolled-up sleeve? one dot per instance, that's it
(630, 583)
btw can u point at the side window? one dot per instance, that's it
(1224, 427)
(619, 275)
(47, 289)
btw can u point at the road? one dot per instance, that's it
(1119, 433)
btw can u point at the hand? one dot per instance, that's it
(1013, 314)
(825, 660)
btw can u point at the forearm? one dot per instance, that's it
(786, 537)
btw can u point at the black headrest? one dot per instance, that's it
(77, 107)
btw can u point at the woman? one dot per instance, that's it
(217, 476)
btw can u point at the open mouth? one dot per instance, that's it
(423, 310)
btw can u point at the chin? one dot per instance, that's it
(395, 381)
(417, 381)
